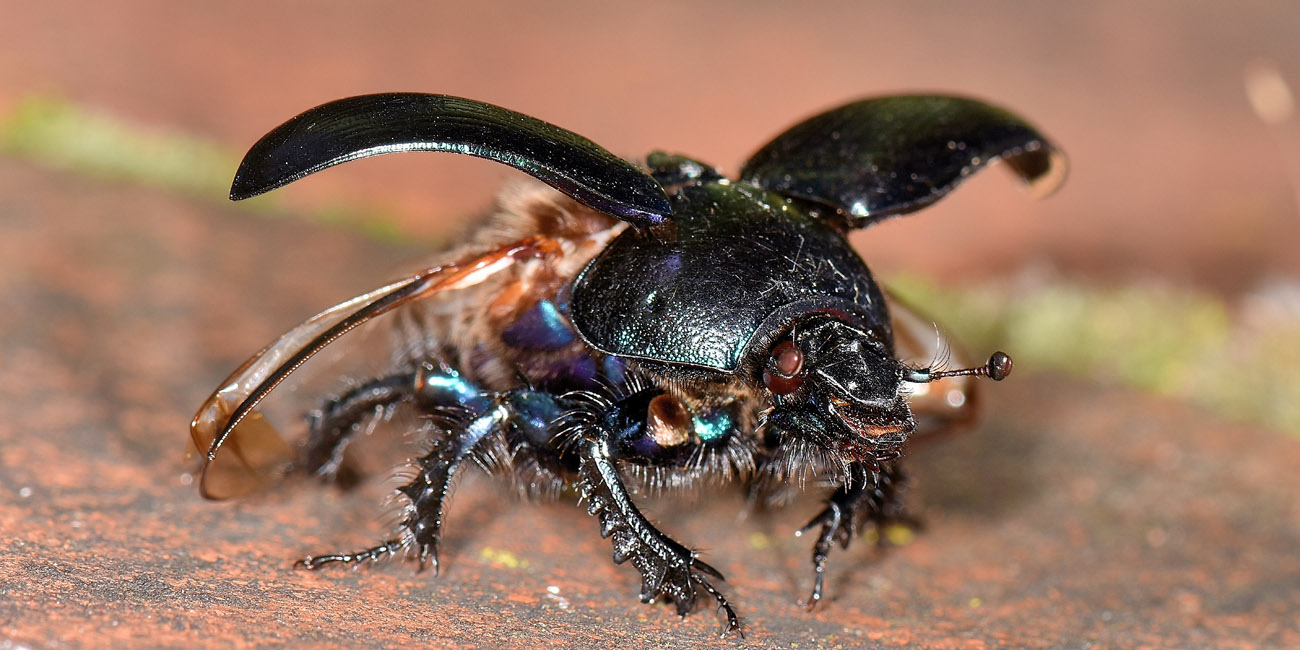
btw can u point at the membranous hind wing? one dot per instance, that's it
(370, 125)
(241, 451)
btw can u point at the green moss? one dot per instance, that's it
(60, 134)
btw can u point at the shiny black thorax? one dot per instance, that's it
(703, 296)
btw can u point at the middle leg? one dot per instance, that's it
(471, 420)
(872, 494)
(421, 524)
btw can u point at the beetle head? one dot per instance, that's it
(837, 386)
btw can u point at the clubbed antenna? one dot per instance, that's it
(997, 369)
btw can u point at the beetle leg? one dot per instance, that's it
(421, 523)
(433, 386)
(330, 427)
(667, 568)
(524, 412)
(874, 499)
(374, 554)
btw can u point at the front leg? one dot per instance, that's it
(871, 495)
(667, 568)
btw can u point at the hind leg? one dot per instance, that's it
(330, 427)
(421, 524)
(432, 387)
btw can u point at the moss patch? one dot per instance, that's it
(57, 133)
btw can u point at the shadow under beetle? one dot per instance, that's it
(640, 329)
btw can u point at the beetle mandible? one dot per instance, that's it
(642, 327)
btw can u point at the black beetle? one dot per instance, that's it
(660, 325)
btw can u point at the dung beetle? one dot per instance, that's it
(634, 329)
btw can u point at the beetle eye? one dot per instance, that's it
(784, 371)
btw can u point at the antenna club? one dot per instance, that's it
(999, 366)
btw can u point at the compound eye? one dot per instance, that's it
(784, 371)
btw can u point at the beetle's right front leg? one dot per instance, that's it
(872, 494)
(667, 568)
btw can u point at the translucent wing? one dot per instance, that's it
(942, 405)
(370, 125)
(255, 453)
(888, 156)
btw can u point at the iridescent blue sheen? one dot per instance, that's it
(447, 386)
(480, 427)
(532, 413)
(712, 425)
(615, 369)
(539, 328)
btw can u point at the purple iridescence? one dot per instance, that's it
(574, 372)
(539, 328)
(615, 370)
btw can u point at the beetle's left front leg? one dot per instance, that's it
(871, 495)
(667, 568)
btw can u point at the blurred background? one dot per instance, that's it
(1167, 265)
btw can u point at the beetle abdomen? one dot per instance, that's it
(514, 327)
(542, 327)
